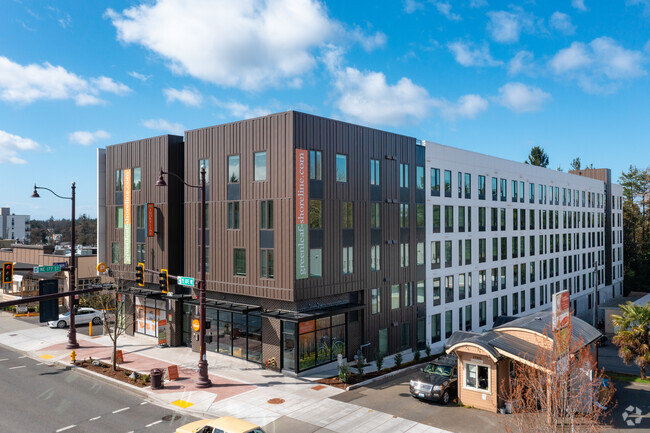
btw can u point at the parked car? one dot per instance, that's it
(437, 381)
(81, 316)
(226, 424)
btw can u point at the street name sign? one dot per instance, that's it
(53, 268)
(186, 281)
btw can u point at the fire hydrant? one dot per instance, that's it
(73, 356)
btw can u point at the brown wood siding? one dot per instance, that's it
(272, 134)
(361, 144)
(472, 398)
(164, 249)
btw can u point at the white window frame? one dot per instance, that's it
(477, 389)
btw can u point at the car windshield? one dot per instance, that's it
(441, 370)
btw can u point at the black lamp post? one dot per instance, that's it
(203, 380)
(72, 333)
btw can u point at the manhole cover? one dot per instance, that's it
(170, 418)
(275, 401)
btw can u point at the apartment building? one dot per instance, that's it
(503, 236)
(321, 238)
(14, 227)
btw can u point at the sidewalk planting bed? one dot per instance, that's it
(121, 374)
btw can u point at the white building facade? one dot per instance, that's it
(15, 227)
(503, 236)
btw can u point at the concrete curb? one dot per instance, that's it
(383, 377)
(107, 379)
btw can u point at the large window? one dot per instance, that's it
(435, 254)
(419, 177)
(240, 262)
(374, 257)
(374, 215)
(315, 165)
(436, 291)
(233, 215)
(419, 253)
(321, 340)
(266, 264)
(435, 182)
(449, 325)
(266, 214)
(140, 252)
(260, 165)
(347, 214)
(394, 296)
(375, 301)
(148, 312)
(404, 254)
(447, 254)
(137, 179)
(119, 217)
(233, 169)
(477, 377)
(468, 185)
(449, 289)
(436, 218)
(119, 180)
(374, 172)
(481, 187)
(348, 260)
(449, 219)
(315, 262)
(115, 252)
(403, 215)
(447, 183)
(315, 214)
(404, 175)
(504, 192)
(419, 215)
(435, 328)
(495, 189)
(341, 168)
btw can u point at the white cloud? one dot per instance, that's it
(249, 44)
(645, 4)
(468, 54)
(165, 126)
(521, 98)
(505, 27)
(445, 10)
(188, 96)
(26, 84)
(562, 23)
(467, 106)
(11, 144)
(139, 76)
(522, 63)
(411, 6)
(87, 137)
(579, 4)
(598, 67)
(242, 111)
(368, 42)
(477, 3)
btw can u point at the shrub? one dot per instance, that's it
(398, 360)
(361, 363)
(379, 359)
(427, 350)
(416, 356)
(344, 372)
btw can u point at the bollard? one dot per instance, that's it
(73, 356)
(90, 329)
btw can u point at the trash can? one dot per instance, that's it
(157, 378)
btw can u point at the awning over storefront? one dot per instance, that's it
(227, 306)
(142, 292)
(299, 316)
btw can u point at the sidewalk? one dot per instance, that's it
(240, 388)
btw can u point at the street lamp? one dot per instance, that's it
(72, 333)
(204, 380)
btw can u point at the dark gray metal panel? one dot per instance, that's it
(266, 239)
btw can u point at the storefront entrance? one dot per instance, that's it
(235, 334)
(319, 340)
(148, 314)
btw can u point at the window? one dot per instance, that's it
(531, 192)
(266, 214)
(495, 191)
(494, 219)
(315, 165)
(503, 219)
(119, 217)
(481, 219)
(140, 252)
(348, 260)
(503, 279)
(435, 255)
(504, 192)
(468, 317)
(495, 249)
(494, 275)
(403, 175)
(436, 291)
(394, 296)
(315, 214)
(404, 254)
(419, 253)
(137, 178)
(233, 169)
(460, 184)
(449, 289)
(266, 264)
(374, 172)
(420, 292)
(504, 248)
(447, 183)
(515, 304)
(447, 254)
(436, 218)
(374, 215)
(240, 262)
(375, 301)
(495, 309)
(374, 257)
(347, 214)
(521, 191)
(403, 215)
(514, 190)
(449, 325)
(461, 287)
(482, 282)
(435, 182)
(449, 219)
(435, 328)
(115, 252)
(477, 377)
(341, 168)
(405, 340)
(315, 262)
(140, 216)
(482, 250)
(119, 180)
(408, 294)
(260, 165)
(468, 185)
(419, 215)
(419, 177)
(481, 187)
(461, 218)
(233, 215)
(468, 251)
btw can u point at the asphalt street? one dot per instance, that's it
(37, 397)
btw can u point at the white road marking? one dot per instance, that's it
(144, 402)
(121, 410)
(94, 419)
(154, 423)
(21, 357)
(66, 428)
(20, 366)
(4, 359)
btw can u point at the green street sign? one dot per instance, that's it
(40, 269)
(186, 281)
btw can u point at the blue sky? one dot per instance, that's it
(493, 77)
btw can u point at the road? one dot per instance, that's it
(37, 397)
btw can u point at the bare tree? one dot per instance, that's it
(560, 390)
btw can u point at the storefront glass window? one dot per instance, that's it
(225, 332)
(255, 337)
(148, 312)
(307, 353)
(239, 335)
(288, 345)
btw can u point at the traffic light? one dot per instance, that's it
(7, 272)
(139, 274)
(164, 280)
